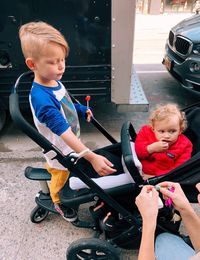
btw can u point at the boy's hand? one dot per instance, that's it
(102, 165)
(158, 147)
(89, 115)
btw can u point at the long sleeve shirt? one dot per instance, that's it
(53, 113)
(159, 163)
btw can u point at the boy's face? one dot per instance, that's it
(168, 129)
(50, 66)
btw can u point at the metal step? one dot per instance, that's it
(137, 101)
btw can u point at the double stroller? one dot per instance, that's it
(115, 219)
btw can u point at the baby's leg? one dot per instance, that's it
(146, 176)
(105, 182)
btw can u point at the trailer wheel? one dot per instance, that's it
(2, 118)
(38, 214)
(92, 248)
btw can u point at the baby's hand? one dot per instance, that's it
(158, 147)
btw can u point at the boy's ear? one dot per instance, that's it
(30, 63)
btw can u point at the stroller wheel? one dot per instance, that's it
(38, 214)
(92, 248)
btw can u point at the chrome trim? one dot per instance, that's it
(186, 39)
(193, 82)
(173, 48)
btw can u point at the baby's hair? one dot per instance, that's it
(35, 36)
(166, 111)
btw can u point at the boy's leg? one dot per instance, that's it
(58, 180)
(169, 246)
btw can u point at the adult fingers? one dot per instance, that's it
(166, 192)
(168, 184)
(198, 186)
(147, 189)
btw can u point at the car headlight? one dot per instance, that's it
(196, 49)
(194, 67)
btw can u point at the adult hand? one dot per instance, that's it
(147, 203)
(102, 165)
(179, 200)
(198, 188)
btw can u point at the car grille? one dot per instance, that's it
(179, 58)
(180, 44)
(171, 38)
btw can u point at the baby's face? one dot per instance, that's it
(167, 130)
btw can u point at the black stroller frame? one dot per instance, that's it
(125, 231)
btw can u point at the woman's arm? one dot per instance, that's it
(181, 203)
(147, 203)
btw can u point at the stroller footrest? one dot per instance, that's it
(37, 174)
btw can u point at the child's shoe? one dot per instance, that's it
(67, 213)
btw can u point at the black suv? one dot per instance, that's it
(182, 53)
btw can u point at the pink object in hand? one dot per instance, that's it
(168, 202)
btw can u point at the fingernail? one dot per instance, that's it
(157, 187)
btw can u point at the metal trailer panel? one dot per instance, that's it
(126, 90)
(86, 25)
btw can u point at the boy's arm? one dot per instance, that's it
(101, 165)
(84, 111)
(47, 111)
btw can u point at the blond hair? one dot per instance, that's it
(35, 36)
(166, 111)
